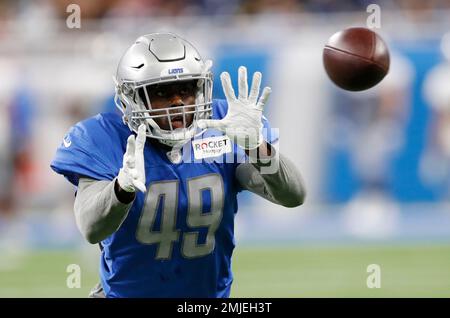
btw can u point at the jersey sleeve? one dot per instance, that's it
(88, 150)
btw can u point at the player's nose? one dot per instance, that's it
(175, 101)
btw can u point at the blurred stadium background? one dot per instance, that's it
(376, 163)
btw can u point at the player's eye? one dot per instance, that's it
(160, 93)
(187, 89)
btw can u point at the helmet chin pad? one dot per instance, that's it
(170, 137)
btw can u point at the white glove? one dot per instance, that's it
(243, 120)
(132, 174)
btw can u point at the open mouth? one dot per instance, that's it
(178, 117)
(177, 121)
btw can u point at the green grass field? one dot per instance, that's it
(406, 271)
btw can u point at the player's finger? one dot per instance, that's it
(131, 143)
(243, 84)
(264, 97)
(256, 84)
(227, 87)
(130, 161)
(210, 123)
(141, 137)
(134, 174)
(139, 185)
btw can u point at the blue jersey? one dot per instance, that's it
(177, 239)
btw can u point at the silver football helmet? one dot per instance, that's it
(160, 58)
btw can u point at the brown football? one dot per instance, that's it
(356, 59)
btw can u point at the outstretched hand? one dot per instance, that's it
(243, 120)
(132, 174)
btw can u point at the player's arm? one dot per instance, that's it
(243, 124)
(282, 184)
(101, 206)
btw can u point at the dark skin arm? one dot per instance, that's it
(122, 195)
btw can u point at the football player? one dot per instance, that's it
(158, 187)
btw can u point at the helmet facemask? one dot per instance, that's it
(162, 59)
(133, 99)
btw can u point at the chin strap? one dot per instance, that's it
(175, 155)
